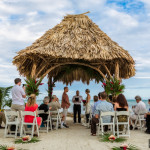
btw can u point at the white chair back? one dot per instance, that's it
(120, 113)
(11, 114)
(102, 114)
(28, 113)
(42, 112)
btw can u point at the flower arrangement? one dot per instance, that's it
(125, 147)
(26, 139)
(111, 138)
(5, 147)
(32, 86)
(10, 148)
(113, 87)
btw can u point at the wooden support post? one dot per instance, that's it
(117, 70)
(33, 70)
(50, 82)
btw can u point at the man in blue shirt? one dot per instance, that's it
(97, 100)
(104, 106)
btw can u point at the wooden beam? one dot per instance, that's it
(107, 70)
(33, 70)
(117, 70)
(75, 63)
(40, 70)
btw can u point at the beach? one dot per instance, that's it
(77, 137)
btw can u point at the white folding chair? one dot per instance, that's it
(125, 124)
(48, 122)
(111, 124)
(9, 121)
(55, 116)
(141, 120)
(24, 124)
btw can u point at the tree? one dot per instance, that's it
(5, 100)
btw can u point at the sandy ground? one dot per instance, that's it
(76, 137)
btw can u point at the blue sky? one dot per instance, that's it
(126, 21)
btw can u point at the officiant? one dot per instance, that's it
(77, 99)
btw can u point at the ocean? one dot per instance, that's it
(130, 103)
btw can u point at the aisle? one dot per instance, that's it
(76, 137)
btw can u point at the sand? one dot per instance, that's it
(77, 137)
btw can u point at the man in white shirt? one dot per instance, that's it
(18, 95)
(77, 99)
(139, 109)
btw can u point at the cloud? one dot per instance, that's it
(22, 22)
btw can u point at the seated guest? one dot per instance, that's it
(96, 102)
(32, 106)
(104, 106)
(147, 116)
(121, 105)
(140, 108)
(44, 107)
(54, 104)
(2, 119)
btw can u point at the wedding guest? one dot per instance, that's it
(87, 105)
(65, 105)
(140, 108)
(2, 119)
(96, 102)
(44, 107)
(121, 104)
(54, 104)
(77, 99)
(18, 95)
(104, 106)
(32, 106)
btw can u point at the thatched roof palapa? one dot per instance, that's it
(75, 41)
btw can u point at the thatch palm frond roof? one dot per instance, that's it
(75, 39)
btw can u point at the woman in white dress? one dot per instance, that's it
(87, 105)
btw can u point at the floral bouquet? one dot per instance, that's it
(32, 86)
(26, 138)
(84, 101)
(112, 138)
(113, 87)
(10, 148)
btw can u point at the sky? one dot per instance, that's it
(127, 22)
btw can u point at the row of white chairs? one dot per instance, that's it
(115, 122)
(17, 118)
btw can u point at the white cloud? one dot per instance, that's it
(22, 22)
(122, 18)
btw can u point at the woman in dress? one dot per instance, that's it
(32, 106)
(121, 104)
(87, 105)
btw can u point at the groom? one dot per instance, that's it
(65, 105)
